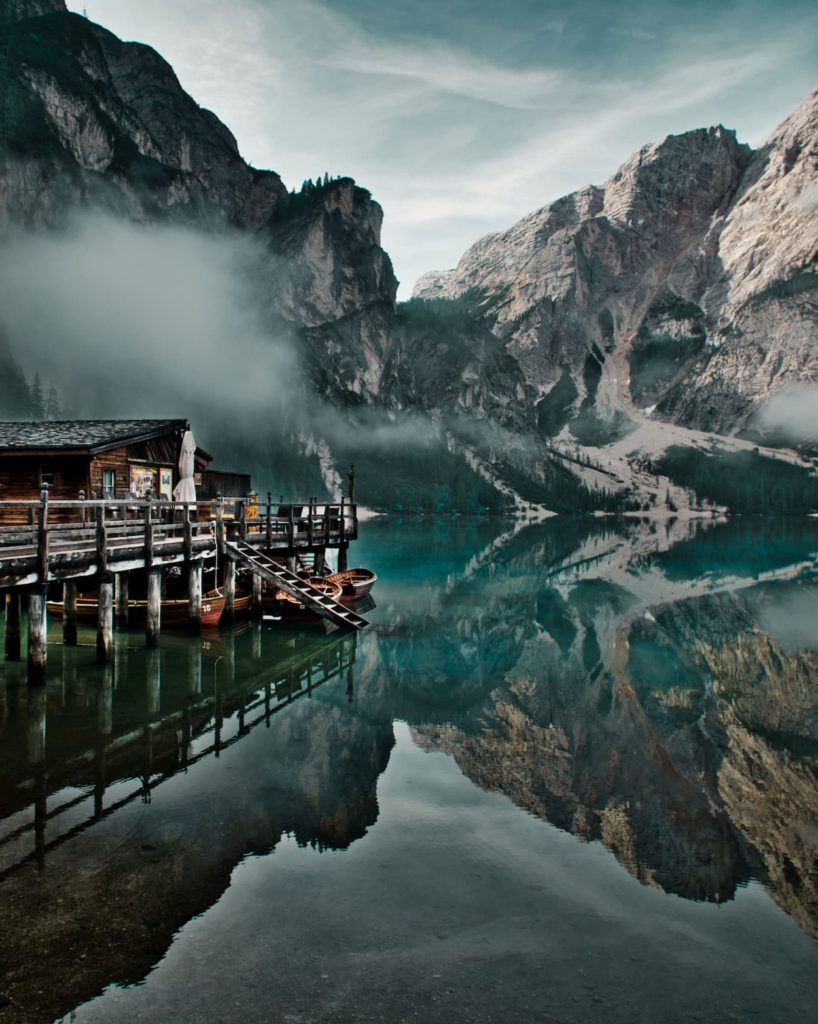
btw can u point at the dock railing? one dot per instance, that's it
(50, 539)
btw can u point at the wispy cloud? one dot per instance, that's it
(459, 128)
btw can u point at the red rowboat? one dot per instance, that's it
(174, 612)
(355, 583)
(294, 610)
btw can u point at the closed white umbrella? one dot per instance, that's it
(185, 490)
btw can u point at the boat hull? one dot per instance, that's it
(174, 612)
(355, 583)
(293, 610)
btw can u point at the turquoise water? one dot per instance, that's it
(569, 773)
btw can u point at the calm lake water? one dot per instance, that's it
(568, 774)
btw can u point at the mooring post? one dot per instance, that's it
(122, 600)
(105, 617)
(105, 701)
(35, 726)
(269, 520)
(153, 621)
(148, 532)
(342, 557)
(102, 544)
(258, 587)
(153, 682)
(42, 539)
(69, 613)
(194, 597)
(257, 641)
(320, 561)
(229, 613)
(221, 533)
(194, 670)
(37, 625)
(12, 626)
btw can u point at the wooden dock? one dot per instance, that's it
(47, 544)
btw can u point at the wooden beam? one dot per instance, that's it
(194, 597)
(154, 608)
(69, 613)
(122, 600)
(12, 625)
(258, 587)
(229, 613)
(37, 629)
(153, 682)
(105, 618)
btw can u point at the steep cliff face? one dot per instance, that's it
(94, 123)
(687, 281)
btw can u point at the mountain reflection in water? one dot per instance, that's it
(652, 687)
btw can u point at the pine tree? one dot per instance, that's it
(37, 399)
(53, 411)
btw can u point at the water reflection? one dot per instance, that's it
(651, 690)
(648, 686)
(136, 741)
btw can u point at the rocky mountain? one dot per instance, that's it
(564, 362)
(685, 287)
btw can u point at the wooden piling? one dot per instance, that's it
(154, 608)
(194, 597)
(105, 701)
(258, 586)
(342, 557)
(148, 533)
(229, 583)
(195, 672)
(105, 618)
(122, 600)
(257, 641)
(37, 626)
(35, 726)
(69, 613)
(153, 682)
(12, 626)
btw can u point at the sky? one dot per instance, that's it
(461, 116)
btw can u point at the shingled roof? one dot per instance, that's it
(89, 436)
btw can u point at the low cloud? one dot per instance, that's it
(792, 413)
(130, 321)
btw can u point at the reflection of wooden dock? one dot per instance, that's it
(105, 542)
(154, 751)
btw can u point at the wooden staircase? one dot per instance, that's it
(275, 573)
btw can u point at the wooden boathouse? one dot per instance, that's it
(90, 503)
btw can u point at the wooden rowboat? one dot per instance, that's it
(174, 611)
(294, 610)
(355, 583)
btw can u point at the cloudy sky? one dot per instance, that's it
(462, 115)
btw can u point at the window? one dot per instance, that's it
(109, 483)
(47, 474)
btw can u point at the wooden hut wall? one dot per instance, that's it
(159, 451)
(230, 485)
(117, 460)
(20, 480)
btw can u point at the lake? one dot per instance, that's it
(569, 773)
